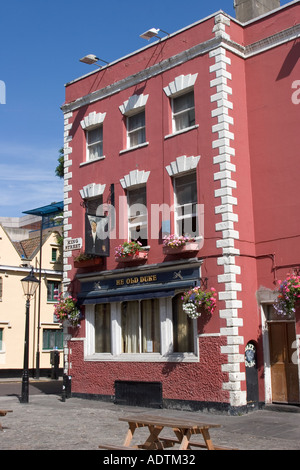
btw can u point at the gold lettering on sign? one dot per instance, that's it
(136, 280)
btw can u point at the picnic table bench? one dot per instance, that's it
(184, 428)
(4, 413)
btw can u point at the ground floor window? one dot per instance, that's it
(102, 328)
(140, 326)
(52, 339)
(183, 331)
(146, 329)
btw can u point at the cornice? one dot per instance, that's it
(244, 52)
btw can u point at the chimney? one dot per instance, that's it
(247, 10)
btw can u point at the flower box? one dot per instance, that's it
(87, 263)
(187, 248)
(136, 257)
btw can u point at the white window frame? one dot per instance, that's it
(139, 328)
(184, 206)
(91, 122)
(182, 112)
(90, 146)
(180, 86)
(141, 130)
(136, 104)
(166, 338)
(138, 219)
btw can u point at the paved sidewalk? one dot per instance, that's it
(48, 423)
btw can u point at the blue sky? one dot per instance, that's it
(41, 42)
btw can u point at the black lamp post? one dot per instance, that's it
(29, 284)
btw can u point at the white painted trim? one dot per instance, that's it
(182, 131)
(266, 353)
(223, 138)
(134, 104)
(67, 188)
(182, 164)
(92, 190)
(134, 178)
(92, 120)
(181, 84)
(166, 334)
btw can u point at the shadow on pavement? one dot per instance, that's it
(36, 387)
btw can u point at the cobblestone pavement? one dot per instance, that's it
(48, 423)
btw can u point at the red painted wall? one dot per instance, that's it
(267, 172)
(180, 381)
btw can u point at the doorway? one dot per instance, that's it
(283, 362)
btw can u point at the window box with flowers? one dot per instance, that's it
(130, 251)
(66, 309)
(176, 244)
(288, 295)
(197, 301)
(85, 260)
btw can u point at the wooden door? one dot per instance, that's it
(284, 373)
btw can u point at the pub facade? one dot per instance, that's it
(180, 164)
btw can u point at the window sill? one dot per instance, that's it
(47, 350)
(182, 131)
(144, 357)
(136, 147)
(92, 161)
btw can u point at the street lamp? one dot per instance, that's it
(29, 284)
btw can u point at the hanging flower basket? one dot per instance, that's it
(66, 309)
(130, 251)
(288, 295)
(175, 244)
(196, 300)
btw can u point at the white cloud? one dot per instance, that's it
(27, 179)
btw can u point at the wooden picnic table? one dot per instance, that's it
(183, 428)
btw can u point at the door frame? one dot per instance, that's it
(266, 352)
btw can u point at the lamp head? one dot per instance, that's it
(29, 284)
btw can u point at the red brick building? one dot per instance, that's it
(200, 127)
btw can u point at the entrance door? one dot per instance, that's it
(284, 373)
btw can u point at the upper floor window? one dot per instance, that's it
(183, 108)
(136, 129)
(92, 124)
(94, 139)
(54, 255)
(137, 215)
(133, 111)
(53, 289)
(185, 188)
(96, 228)
(181, 94)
